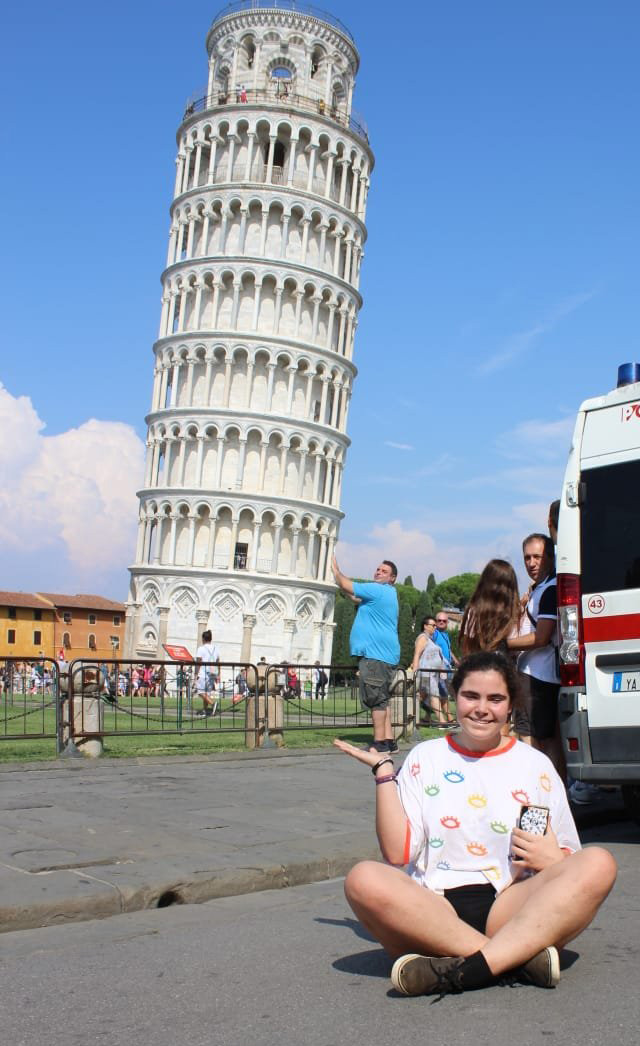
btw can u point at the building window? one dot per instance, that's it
(11, 635)
(66, 641)
(12, 613)
(66, 617)
(37, 638)
(116, 619)
(37, 615)
(115, 642)
(240, 556)
(92, 641)
(92, 619)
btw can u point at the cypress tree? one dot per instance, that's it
(405, 634)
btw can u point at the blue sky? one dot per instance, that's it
(500, 280)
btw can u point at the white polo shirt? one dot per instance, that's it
(541, 663)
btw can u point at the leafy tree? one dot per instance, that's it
(424, 608)
(455, 591)
(405, 634)
(454, 636)
(408, 594)
(409, 581)
(431, 582)
(343, 615)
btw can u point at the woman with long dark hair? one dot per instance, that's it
(493, 612)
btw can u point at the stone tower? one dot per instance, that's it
(247, 440)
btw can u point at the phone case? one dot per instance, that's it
(534, 819)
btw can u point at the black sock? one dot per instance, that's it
(474, 972)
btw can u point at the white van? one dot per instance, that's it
(598, 565)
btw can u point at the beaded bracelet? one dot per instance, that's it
(389, 777)
(386, 759)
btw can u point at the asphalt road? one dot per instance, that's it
(293, 967)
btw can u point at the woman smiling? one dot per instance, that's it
(483, 898)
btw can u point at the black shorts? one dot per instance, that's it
(473, 903)
(538, 712)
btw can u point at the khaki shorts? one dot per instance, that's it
(374, 682)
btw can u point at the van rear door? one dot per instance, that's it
(610, 580)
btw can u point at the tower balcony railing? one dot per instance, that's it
(279, 93)
(284, 5)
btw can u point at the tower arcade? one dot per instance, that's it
(247, 432)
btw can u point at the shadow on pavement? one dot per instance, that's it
(368, 964)
(352, 924)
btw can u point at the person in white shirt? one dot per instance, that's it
(483, 898)
(208, 657)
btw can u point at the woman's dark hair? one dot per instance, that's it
(493, 610)
(428, 617)
(489, 661)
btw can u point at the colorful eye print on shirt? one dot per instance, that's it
(449, 822)
(436, 843)
(479, 801)
(414, 769)
(453, 776)
(444, 866)
(545, 782)
(492, 873)
(500, 827)
(432, 790)
(477, 849)
(521, 796)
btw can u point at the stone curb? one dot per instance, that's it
(232, 882)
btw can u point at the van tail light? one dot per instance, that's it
(571, 642)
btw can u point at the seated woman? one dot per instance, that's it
(426, 659)
(482, 898)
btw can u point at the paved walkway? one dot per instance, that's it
(86, 840)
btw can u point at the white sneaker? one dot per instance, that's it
(582, 793)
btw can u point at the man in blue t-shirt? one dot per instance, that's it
(374, 640)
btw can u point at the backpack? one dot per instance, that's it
(323, 678)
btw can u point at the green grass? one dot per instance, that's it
(199, 736)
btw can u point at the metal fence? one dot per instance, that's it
(279, 93)
(433, 696)
(309, 703)
(30, 699)
(134, 698)
(98, 699)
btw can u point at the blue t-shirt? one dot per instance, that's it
(374, 632)
(443, 641)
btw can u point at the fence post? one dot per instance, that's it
(410, 730)
(84, 700)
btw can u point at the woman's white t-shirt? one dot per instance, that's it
(461, 807)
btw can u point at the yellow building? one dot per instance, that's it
(27, 625)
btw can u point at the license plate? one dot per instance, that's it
(626, 682)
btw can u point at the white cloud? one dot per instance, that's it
(398, 446)
(417, 552)
(538, 440)
(73, 493)
(518, 343)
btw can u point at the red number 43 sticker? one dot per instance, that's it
(596, 604)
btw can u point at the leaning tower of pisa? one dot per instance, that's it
(247, 432)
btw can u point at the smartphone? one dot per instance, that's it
(534, 819)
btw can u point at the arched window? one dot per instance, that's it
(66, 641)
(92, 641)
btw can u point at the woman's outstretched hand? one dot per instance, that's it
(369, 758)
